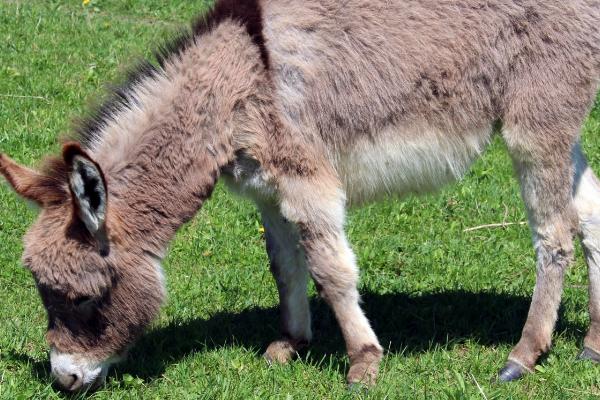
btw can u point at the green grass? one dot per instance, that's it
(446, 304)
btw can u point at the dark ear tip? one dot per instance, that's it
(71, 150)
(5, 163)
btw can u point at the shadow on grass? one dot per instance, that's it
(404, 324)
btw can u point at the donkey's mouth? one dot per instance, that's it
(74, 373)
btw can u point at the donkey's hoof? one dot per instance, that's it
(364, 366)
(357, 389)
(280, 352)
(588, 354)
(363, 374)
(511, 372)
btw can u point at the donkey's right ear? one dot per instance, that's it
(88, 188)
(27, 182)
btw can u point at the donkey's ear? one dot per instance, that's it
(88, 187)
(25, 181)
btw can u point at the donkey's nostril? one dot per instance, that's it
(69, 382)
(76, 382)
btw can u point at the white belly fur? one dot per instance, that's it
(398, 163)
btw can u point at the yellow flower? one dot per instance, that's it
(85, 2)
(261, 229)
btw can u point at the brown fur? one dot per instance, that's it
(44, 189)
(291, 102)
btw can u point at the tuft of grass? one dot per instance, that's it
(446, 304)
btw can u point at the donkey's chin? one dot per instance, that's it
(74, 373)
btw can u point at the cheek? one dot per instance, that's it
(60, 339)
(106, 326)
(76, 333)
(96, 332)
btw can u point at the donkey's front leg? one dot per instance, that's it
(546, 184)
(318, 211)
(291, 275)
(334, 270)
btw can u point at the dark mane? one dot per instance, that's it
(247, 12)
(89, 129)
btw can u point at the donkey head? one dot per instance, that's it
(99, 289)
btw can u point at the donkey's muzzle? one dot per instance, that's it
(75, 373)
(71, 382)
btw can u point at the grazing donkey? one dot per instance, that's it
(308, 107)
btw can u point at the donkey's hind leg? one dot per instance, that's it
(545, 173)
(586, 194)
(291, 275)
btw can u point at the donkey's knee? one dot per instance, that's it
(335, 273)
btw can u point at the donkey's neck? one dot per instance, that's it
(163, 154)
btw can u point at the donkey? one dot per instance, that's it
(308, 108)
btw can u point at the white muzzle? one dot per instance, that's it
(75, 372)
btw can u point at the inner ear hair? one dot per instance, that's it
(88, 189)
(87, 185)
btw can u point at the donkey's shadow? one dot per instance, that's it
(404, 324)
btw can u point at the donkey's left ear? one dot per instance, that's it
(29, 183)
(88, 187)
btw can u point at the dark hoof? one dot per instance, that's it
(511, 372)
(589, 355)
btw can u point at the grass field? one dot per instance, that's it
(447, 304)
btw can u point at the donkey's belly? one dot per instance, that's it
(402, 161)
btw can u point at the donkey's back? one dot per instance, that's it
(405, 94)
